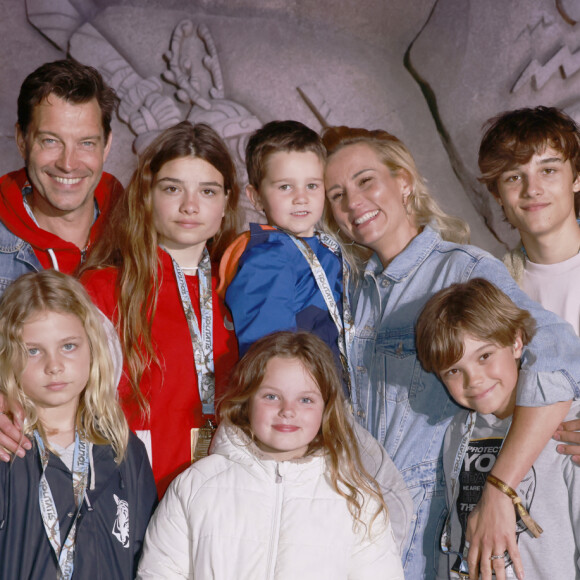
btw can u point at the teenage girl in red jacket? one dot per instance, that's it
(151, 273)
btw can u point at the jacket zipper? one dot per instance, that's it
(275, 531)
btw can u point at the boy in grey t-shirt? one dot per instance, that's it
(472, 336)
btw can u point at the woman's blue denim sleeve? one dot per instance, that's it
(550, 369)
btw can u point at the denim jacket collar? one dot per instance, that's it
(407, 262)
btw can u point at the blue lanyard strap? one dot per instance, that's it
(202, 343)
(80, 473)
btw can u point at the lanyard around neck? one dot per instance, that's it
(80, 473)
(202, 342)
(343, 324)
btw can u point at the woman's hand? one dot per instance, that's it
(491, 531)
(12, 439)
(569, 432)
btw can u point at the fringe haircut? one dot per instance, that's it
(478, 308)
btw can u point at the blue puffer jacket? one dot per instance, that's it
(274, 289)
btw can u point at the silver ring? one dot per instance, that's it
(496, 557)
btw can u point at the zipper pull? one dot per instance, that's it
(278, 474)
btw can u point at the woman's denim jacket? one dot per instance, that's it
(408, 409)
(16, 258)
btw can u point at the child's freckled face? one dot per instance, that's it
(286, 410)
(292, 191)
(485, 377)
(59, 359)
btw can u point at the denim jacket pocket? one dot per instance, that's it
(397, 359)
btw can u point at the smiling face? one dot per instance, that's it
(292, 191)
(367, 200)
(538, 197)
(485, 377)
(64, 150)
(189, 202)
(59, 360)
(286, 410)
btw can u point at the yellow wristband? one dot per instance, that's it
(532, 526)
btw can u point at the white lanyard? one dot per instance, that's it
(80, 474)
(202, 343)
(343, 324)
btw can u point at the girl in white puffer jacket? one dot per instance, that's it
(283, 493)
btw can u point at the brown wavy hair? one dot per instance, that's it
(394, 154)
(99, 416)
(71, 81)
(513, 137)
(129, 242)
(336, 437)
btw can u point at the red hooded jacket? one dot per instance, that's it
(16, 219)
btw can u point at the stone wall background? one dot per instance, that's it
(429, 71)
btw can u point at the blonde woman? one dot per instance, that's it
(404, 249)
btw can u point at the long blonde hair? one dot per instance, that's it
(130, 240)
(396, 157)
(336, 437)
(99, 416)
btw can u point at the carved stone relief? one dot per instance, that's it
(239, 66)
(491, 57)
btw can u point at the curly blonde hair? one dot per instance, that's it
(99, 416)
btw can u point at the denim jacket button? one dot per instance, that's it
(385, 283)
(361, 414)
(361, 369)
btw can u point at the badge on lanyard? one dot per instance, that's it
(202, 343)
(201, 439)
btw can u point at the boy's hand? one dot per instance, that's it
(569, 432)
(491, 531)
(12, 439)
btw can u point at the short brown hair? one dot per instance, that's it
(476, 307)
(69, 80)
(279, 136)
(513, 137)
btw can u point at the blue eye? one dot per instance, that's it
(33, 351)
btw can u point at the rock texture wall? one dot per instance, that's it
(429, 71)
